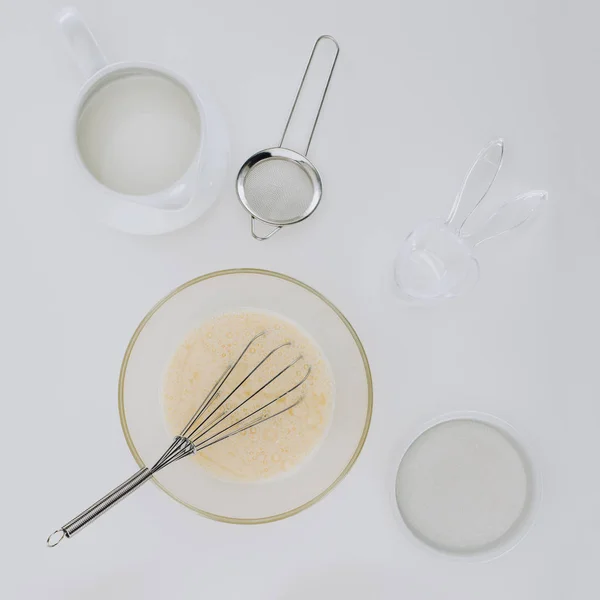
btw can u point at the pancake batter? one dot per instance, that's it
(269, 449)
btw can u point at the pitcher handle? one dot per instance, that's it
(84, 48)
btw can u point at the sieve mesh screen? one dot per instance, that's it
(278, 190)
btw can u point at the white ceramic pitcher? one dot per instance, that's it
(188, 196)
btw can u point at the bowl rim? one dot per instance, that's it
(357, 341)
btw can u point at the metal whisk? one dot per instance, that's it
(209, 425)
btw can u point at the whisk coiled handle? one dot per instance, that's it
(180, 448)
(100, 507)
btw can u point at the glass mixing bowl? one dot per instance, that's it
(164, 328)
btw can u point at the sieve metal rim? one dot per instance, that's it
(283, 154)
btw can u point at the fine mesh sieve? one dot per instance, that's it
(279, 186)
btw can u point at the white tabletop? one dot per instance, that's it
(420, 88)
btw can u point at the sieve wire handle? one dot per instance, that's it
(299, 92)
(99, 508)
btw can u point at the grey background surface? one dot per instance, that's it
(419, 89)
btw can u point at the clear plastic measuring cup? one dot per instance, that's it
(437, 259)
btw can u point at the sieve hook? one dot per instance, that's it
(323, 95)
(257, 236)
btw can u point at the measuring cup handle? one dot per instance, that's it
(476, 184)
(509, 216)
(257, 236)
(84, 48)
